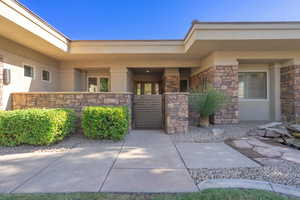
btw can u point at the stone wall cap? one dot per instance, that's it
(72, 93)
(178, 93)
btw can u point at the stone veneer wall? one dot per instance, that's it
(176, 112)
(73, 100)
(171, 81)
(224, 78)
(290, 92)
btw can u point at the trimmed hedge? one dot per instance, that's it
(35, 126)
(105, 122)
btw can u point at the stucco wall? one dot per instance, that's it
(256, 109)
(14, 57)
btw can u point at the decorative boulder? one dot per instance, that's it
(269, 125)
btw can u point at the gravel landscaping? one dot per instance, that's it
(216, 133)
(67, 144)
(275, 171)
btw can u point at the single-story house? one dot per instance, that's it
(256, 63)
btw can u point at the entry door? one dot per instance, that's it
(147, 111)
(98, 84)
(147, 88)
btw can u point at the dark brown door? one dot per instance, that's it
(147, 111)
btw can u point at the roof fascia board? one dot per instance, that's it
(12, 11)
(124, 47)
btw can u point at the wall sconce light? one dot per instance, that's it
(6, 76)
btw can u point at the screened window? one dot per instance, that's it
(183, 85)
(92, 84)
(103, 84)
(253, 85)
(28, 71)
(45, 75)
(97, 84)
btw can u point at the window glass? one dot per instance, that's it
(156, 88)
(147, 88)
(28, 71)
(183, 85)
(103, 84)
(46, 75)
(253, 85)
(138, 89)
(92, 84)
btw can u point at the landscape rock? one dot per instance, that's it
(256, 142)
(294, 142)
(295, 127)
(267, 152)
(242, 144)
(292, 156)
(269, 125)
(218, 132)
(279, 132)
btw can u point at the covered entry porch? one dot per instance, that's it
(148, 87)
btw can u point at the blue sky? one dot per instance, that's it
(153, 19)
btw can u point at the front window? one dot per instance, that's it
(183, 85)
(253, 85)
(96, 84)
(28, 71)
(103, 84)
(45, 75)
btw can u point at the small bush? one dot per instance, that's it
(35, 126)
(105, 122)
(208, 101)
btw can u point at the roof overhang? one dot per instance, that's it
(28, 29)
(22, 26)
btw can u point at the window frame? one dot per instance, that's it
(267, 86)
(98, 82)
(33, 71)
(188, 83)
(50, 76)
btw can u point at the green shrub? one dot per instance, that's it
(207, 102)
(35, 126)
(105, 122)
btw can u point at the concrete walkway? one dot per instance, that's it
(147, 161)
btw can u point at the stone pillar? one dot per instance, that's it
(118, 79)
(1, 83)
(223, 78)
(226, 79)
(290, 92)
(176, 112)
(171, 80)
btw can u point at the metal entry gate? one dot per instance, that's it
(147, 111)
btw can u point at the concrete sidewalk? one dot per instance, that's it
(147, 161)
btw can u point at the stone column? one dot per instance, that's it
(118, 79)
(223, 78)
(226, 79)
(176, 112)
(1, 83)
(171, 80)
(290, 92)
